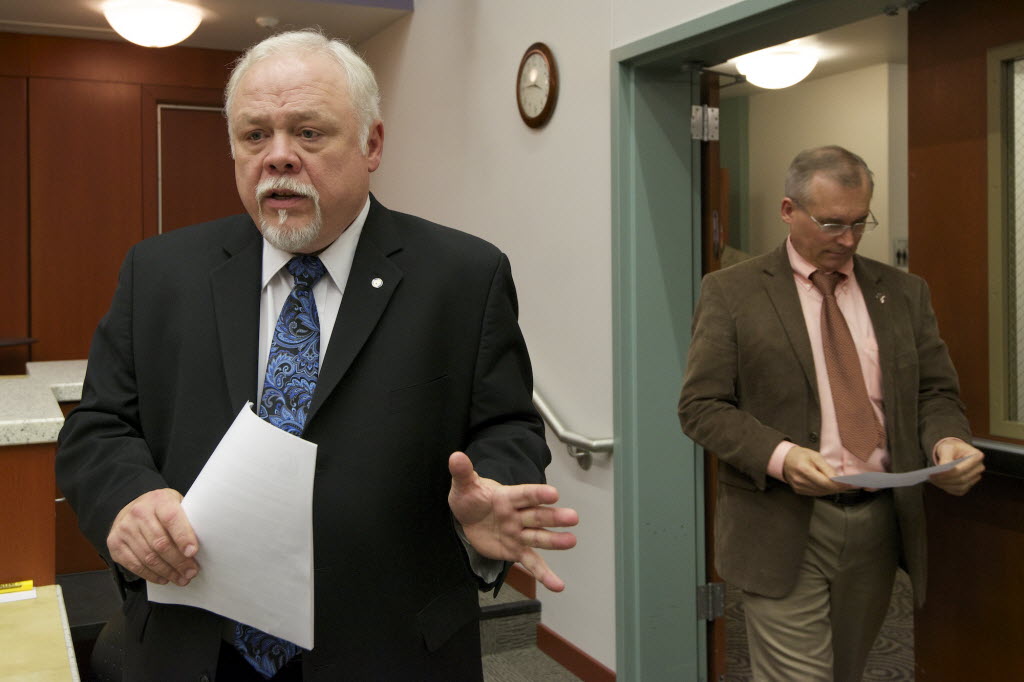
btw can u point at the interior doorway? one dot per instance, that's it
(660, 475)
(760, 130)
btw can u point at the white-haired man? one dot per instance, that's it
(390, 342)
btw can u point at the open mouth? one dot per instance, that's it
(283, 194)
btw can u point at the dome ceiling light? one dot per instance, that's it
(152, 23)
(777, 67)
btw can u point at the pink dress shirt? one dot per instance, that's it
(851, 303)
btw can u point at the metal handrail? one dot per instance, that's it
(580, 448)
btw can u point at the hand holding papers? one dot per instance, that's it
(251, 508)
(884, 480)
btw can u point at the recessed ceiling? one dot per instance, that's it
(227, 24)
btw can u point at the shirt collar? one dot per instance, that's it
(337, 257)
(804, 268)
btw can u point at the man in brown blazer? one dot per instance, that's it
(816, 558)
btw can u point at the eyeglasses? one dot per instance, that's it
(833, 229)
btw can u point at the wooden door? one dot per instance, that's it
(714, 232)
(188, 173)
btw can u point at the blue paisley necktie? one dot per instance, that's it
(292, 369)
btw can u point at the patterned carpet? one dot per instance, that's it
(891, 659)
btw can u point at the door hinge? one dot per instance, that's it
(704, 123)
(710, 601)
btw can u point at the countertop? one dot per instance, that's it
(29, 409)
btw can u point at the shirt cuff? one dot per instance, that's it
(778, 458)
(486, 568)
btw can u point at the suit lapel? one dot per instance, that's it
(236, 298)
(363, 303)
(876, 298)
(778, 282)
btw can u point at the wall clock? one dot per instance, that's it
(537, 85)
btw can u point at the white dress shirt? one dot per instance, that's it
(277, 284)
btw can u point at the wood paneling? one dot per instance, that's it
(26, 510)
(13, 54)
(947, 43)
(14, 226)
(971, 627)
(101, 60)
(86, 206)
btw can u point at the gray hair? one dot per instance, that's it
(834, 162)
(362, 86)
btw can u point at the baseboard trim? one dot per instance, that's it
(572, 658)
(520, 579)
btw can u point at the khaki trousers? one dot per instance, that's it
(824, 629)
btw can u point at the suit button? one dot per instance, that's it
(814, 437)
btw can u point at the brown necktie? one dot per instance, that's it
(859, 428)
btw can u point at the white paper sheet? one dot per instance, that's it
(884, 480)
(18, 596)
(251, 508)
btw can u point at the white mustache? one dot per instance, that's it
(271, 185)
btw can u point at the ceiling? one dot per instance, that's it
(878, 40)
(231, 25)
(227, 24)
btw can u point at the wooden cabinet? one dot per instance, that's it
(27, 516)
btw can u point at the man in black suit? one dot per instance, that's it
(429, 474)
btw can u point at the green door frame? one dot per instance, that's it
(659, 473)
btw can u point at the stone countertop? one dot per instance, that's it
(29, 409)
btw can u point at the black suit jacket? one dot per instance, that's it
(750, 383)
(431, 362)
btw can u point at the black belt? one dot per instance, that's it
(850, 498)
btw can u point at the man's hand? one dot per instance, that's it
(808, 473)
(963, 476)
(152, 538)
(508, 521)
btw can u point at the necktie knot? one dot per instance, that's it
(306, 270)
(826, 282)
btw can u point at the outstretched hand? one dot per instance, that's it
(508, 522)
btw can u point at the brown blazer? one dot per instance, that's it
(750, 383)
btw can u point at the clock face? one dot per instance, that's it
(534, 85)
(537, 85)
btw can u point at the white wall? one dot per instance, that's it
(863, 110)
(457, 152)
(636, 19)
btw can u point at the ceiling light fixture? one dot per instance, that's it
(152, 23)
(777, 67)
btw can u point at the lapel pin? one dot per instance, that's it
(880, 297)
(376, 282)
